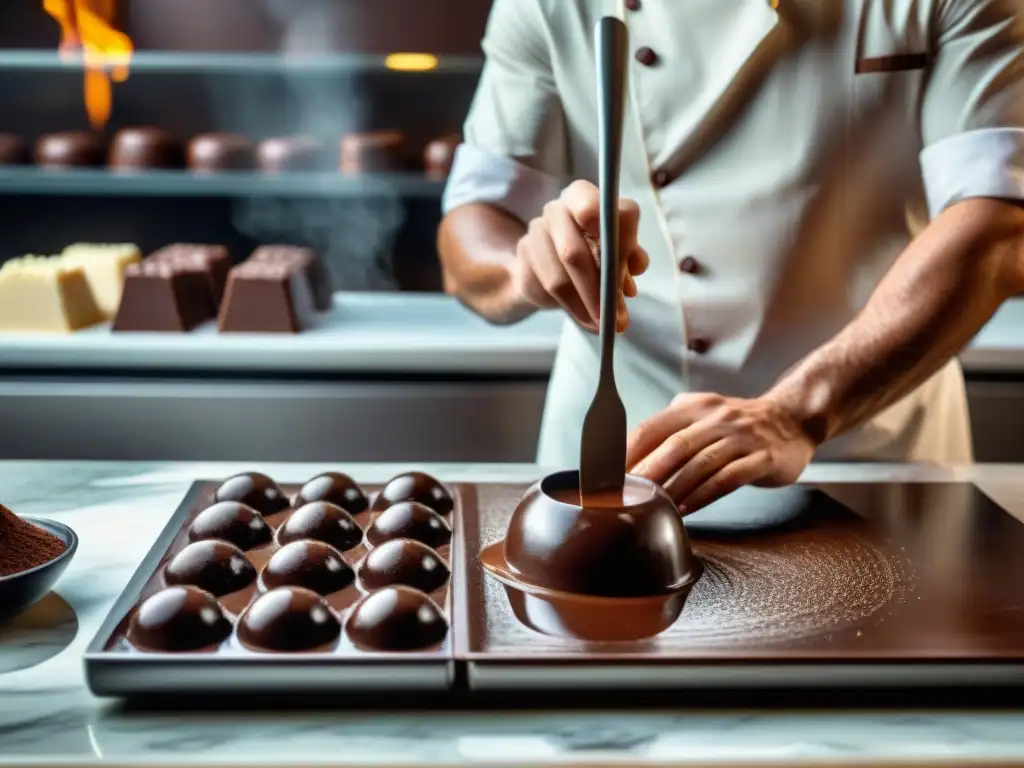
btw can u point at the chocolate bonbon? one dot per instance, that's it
(409, 520)
(14, 150)
(335, 488)
(322, 521)
(214, 152)
(233, 522)
(72, 149)
(373, 152)
(268, 297)
(217, 567)
(288, 619)
(311, 564)
(396, 619)
(145, 147)
(415, 486)
(439, 155)
(182, 618)
(403, 562)
(313, 266)
(254, 489)
(290, 153)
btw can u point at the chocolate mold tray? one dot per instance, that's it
(251, 598)
(863, 585)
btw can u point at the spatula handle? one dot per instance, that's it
(612, 41)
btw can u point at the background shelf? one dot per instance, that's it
(35, 181)
(240, 63)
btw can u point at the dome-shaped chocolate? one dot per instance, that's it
(335, 488)
(396, 619)
(214, 566)
(310, 564)
(234, 522)
(322, 521)
(255, 490)
(415, 486)
(629, 543)
(288, 619)
(406, 562)
(409, 520)
(145, 147)
(178, 619)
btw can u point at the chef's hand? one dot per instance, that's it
(557, 260)
(704, 446)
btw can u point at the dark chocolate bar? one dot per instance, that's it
(164, 297)
(211, 259)
(316, 270)
(268, 297)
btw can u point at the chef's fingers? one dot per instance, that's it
(583, 201)
(629, 227)
(749, 470)
(548, 275)
(676, 450)
(703, 466)
(629, 286)
(638, 261)
(577, 256)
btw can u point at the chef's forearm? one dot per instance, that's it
(477, 246)
(940, 292)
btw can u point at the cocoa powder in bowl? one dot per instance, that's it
(23, 546)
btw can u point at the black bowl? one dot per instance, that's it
(20, 590)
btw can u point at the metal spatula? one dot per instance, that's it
(603, 450)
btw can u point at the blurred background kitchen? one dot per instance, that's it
(395, 370)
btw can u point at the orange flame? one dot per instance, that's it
(87, 28)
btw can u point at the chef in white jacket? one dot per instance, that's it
(820, 207)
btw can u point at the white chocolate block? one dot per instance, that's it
(104, 266)
(43, 294)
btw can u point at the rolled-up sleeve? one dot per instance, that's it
(514, 150)
(972, 113)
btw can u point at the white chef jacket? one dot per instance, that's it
(781, 146)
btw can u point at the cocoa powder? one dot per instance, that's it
(23, 545)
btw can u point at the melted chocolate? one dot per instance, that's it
(409, 520)
(179, 619)
(396, 619)
(415, 486)
(214, 566)
(233, 522)
(310, 564)
(324, 522)
(255, 490)
(289, 619)
(335, 488)
(628, 496)
(403, 562)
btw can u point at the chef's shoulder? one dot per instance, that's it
(544, 23)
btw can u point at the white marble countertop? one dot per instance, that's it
(384, 332)
(48, 717)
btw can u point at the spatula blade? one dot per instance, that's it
(603, 449)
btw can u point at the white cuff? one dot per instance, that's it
(984, 163)
(481, 177)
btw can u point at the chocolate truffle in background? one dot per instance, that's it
(290, 153)
(145, 147)
(439, 154)
(72, 149)
(212, 152)
(14, 150)
(376, 152)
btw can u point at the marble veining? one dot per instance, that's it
(48, 717)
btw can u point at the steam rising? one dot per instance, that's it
(355, 235)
